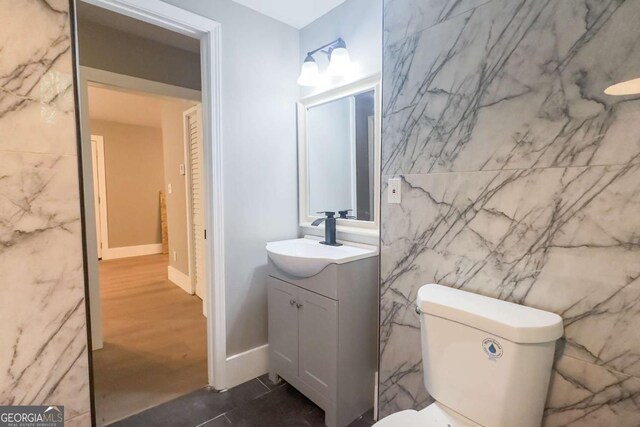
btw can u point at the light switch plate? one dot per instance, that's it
(394, 192)
(169, 189)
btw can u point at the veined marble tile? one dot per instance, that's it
(406, 17)
(514, 85)
(36, 96)
(401, 383)
(565, 240)
(43, 346)
(585, 395)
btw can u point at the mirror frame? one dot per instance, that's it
(354, 226)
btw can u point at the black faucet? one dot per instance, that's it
(329, 228)
(345, 214)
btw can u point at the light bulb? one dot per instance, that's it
(309, 75)
(340, 63)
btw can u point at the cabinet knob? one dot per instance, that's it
(299, 305)
(292, 302)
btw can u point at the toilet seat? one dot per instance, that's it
(434, 415)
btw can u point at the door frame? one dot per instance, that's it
(99, 188)
(208, 32)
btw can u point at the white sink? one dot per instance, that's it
(307, 257)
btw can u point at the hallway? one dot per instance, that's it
(154, 339)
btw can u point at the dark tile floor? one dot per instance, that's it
(257, 403)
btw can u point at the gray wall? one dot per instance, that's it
(112, 50)
(359, 23)
(134, 174)
(177, 201)
(259, 90)
(521, 181)
(43, 344)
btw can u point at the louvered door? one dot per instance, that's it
(194, 156)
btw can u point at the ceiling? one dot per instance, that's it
(89, 14)
(297, 13)
(124, 107)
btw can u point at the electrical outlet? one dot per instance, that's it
(175, 256)
(394, 190)
(182, 171)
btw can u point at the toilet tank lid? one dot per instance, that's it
(514, 322)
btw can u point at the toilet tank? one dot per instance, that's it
(488, 360)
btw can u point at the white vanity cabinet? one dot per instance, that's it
(323, 335)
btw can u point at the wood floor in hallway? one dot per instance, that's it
(154, 339)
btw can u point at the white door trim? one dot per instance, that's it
(208, 32)
(100, 184)
(136, 84)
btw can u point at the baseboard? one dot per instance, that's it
(129, 251)
(96, 344)
(375, 398)
(179, 278)
(246, 366)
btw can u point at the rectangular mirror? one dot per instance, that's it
(338, 142)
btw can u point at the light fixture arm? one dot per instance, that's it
(327, 48)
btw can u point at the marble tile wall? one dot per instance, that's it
(43, 344)
(520, 180)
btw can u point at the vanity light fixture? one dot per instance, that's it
(630, 87)
(339, 63)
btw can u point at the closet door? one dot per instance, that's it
(193, 131)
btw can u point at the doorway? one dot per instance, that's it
(203, 186)
(146, 159)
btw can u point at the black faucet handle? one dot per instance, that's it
(345, 214)
(329, 214)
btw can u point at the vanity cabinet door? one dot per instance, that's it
(318, 336)
(283, 327)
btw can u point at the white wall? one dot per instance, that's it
(260, 66)
(359, 23)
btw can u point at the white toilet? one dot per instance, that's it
(486, 362)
